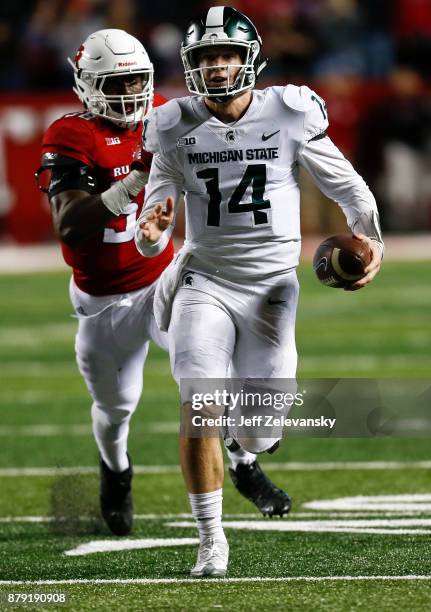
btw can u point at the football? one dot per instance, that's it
(340, 260)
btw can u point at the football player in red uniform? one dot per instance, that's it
(95, 200)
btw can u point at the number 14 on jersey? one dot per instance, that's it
(255, 175)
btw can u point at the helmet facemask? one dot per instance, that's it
(125, 110)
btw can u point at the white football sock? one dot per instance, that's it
(111, 440)
(240, 456)
(207, 510)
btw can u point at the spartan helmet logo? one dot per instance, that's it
(187, 280)
(230, 136)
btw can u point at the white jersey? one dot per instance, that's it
(240, 180)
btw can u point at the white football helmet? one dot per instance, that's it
(108, 54)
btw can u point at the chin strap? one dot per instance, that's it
(263, 64)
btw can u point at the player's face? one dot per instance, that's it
(124, 85)
(220, 63)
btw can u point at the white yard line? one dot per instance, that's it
(419, 502)
(282, 467)
(45, 430)
(163, 428)
(198, 581)
(245, 515)
(348, 465)
(67, 471)
(364, 526)
(100, 546)
(78, 429)
(342, 362)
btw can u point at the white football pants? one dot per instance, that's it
(222, 329)
(111, 347)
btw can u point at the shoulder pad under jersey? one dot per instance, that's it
(305, 100)
(72, 136)
(166, 124)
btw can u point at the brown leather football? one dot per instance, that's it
(340, 260)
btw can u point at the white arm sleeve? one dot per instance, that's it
(337, 179)
(165, 180)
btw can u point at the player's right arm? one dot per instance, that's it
(156, 222)
(162, 193)
(77, 215)
(78, 208)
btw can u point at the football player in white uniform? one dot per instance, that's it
(230, 296)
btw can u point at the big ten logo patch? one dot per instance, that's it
(112, 141)
(186, 141)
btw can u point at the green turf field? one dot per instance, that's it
(333, 553)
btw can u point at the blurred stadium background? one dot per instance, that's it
(368, 59)
(371, 61)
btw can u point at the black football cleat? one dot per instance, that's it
(252, 482)
(116, 501)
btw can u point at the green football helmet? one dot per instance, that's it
(222, 25)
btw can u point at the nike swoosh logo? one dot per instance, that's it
(272, 302)
(323, 262)
(268, 136)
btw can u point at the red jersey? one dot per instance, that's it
(108, 262)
